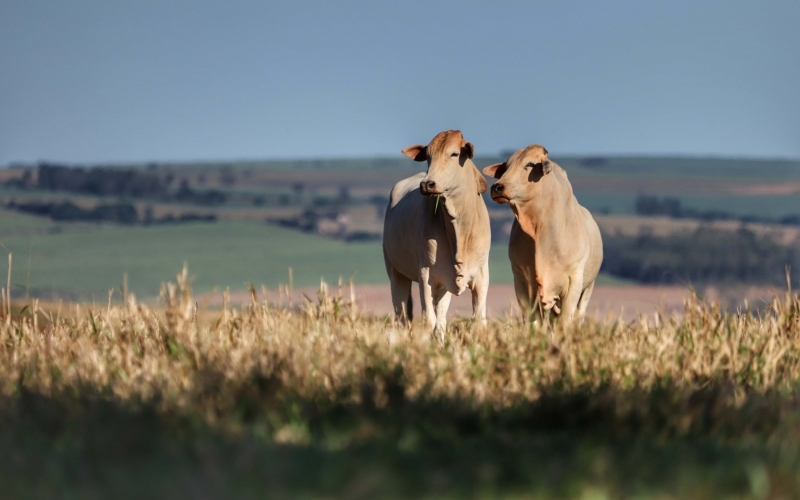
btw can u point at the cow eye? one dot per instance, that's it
(453, 155)
(530, 165)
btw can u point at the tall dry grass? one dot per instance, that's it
(97, 399)
(324, 350)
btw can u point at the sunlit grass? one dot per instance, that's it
(707, 394)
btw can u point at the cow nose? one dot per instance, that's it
(428, 185)
(497, 188)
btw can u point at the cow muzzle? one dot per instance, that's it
(498, 193)
(428, 187)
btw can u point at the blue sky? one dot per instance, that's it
(98, 81)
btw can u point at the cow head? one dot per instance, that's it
(520, 175)
(450, 168)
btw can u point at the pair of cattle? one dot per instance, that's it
(436, 233)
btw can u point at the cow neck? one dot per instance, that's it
(551, 212)
(461, 215)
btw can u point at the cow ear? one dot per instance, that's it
(547, 166)
(468, 149)
(482, 185)
(417, 152)
(497, 170)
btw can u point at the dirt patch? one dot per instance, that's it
(772, 189)
(608, 301)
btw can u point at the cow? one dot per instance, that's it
(436, 232)
(555, 247)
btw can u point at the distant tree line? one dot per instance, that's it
(671, 207)
(705, 255)
(116, 182)
(185, 194)
(331, 223)
(101, 181)
(119, 213)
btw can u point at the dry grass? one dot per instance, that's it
(136, 351)
(324, 376)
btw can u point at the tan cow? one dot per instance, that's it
(436, 232)
(555, 247)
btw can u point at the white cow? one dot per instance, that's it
(436, 232)
(555, 247)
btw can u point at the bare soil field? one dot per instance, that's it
(608, 301)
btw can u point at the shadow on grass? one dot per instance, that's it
(368, 441)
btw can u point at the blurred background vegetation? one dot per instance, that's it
(76, 231)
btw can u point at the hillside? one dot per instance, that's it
(76, 231)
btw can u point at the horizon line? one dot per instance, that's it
(502, 154)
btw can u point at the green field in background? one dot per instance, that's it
(85, 259)
(76, 260)
(770, 207)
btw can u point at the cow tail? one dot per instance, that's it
(410, 308)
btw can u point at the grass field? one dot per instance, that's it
(760, 206)
(139, 401)
(85, 260)
(132, 402)
(771, 207)
(78, 260)
(93, 258)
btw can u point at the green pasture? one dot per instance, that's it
(85, 258)
(760, 206)
(74, 260)
(771, 207)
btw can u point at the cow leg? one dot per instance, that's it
(426, 298)
(401, 296)
(569, 303)
(537, 313)
(528, 302)
(441, 301)
(583, 303)
(480, 290)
